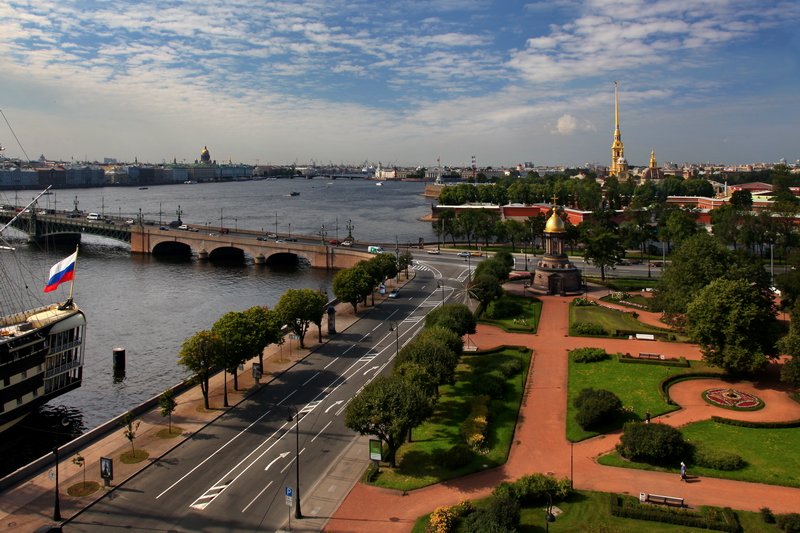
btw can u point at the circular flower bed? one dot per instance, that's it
(733, 399)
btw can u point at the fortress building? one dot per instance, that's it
(619, 165)
(555, 274)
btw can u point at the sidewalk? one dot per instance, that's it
(540, 444)
(30, 504)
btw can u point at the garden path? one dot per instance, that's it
(540, 444)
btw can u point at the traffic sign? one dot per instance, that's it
(294, 337)
(288, 492)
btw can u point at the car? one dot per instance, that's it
(184, 227)
(395, 293)
(476, 254)
(279, 241)
(636, 261)
(163, 228)
(109, 221)
(223, 231)
(656, 264)
(464, 254)
(290, 239)
(622, 262)
(71, 215)
(129, 221)
(347, 243)
(261, 238)
(337, 242)
(433, 251)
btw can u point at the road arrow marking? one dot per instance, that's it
(371, 369)
(334, 405)
(281, 456)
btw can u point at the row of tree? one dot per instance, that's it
(239, 336)
(354, 285)
(391, 406)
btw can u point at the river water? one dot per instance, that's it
(149, 305)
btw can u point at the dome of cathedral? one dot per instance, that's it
(554, 224)
(622, 161)
(204, 155)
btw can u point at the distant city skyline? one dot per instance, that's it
(404, 83)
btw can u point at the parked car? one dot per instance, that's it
(464, 254)
(395, 293)
(433, 251)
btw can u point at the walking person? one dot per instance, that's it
(683, 471)
(647, 417)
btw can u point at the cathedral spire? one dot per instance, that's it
(619, 166)
(616, 110)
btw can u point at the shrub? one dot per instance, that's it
(503, 308)
(710, 457)
(510, 367)
(534, 487)
(789, 523)
(492, 384)
(651, 443)
(595, 407)
(456, 457)
(588, 355)
(582, 302)
(500, 517)
(766, 515)
(441, 520)
(586, 328)
(620, 295)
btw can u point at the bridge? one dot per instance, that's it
(205, 242)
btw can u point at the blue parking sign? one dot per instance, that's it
(288, 492)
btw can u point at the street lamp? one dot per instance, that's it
(441, 286)
(394, 327)
(297, 512)
(57, 504)
(549, 518)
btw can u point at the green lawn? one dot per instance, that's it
(588, 512)
(635, 384)
(771, 454)
(612, 320)
(417, 464)
(636, 298)
(531, 311)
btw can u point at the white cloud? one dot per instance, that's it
(566, 125)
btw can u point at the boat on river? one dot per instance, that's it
(293, 193)
(42, 347)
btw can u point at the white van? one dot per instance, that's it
(92, 216)
(375, 250)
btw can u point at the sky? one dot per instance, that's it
(401, 82)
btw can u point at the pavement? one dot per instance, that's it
(540, 444)
(30, 504)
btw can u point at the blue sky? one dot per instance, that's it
(402, 82)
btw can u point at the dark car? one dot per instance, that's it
(290, 239)
(223, 231)
(635, 261)
(163, 228)
(71, 215)
(261, 238)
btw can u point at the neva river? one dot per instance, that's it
(149, 305)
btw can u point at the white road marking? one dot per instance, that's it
(329, 364)
(257, 496)
(281, 456)
(326, 426)
(333, 405)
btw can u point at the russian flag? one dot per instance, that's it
(62, 272)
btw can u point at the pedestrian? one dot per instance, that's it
(647, 417)
(683, 471)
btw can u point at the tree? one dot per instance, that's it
(243, 336)
(602, 248)
(652, 443)
(131, 425)
(432, 354)
(727, 222)
(506, 258)
(406, 259)
(387, 408)
(299, 308)
(352, 285)
(197, 355)
(742, 200)
(733, 324)
(265, 329)
(485, 288)
(168, 405)
(498, 268)
(80, 462)
(515, 232)
(455, 317)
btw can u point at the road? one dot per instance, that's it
(232, 476)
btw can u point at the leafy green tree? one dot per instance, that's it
(168, 404)
(742, 200)
(733, 324)
(699, 187)
(387, 408)
(265, 329)
(726, 222)
(198, 355)
(387, 266)
(299, 308)
(789, 282)
(243, 336)
(515, 232)
(602, 248)
(651, 443)
(455, 317)
(506, 258)
(352, 285)
(680, 224)
(452, 339)
(131, 425)
(485, 288)
(450, 224)
(790, 345)
(406, 260)
(493, 267)
(536, 225)
(434, 355)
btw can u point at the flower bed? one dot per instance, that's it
(733, 399)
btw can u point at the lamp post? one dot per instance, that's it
(220, 218)
(549, 518)
(57, 504)
(394, 327)
(350, 230)
(441, 286)
(235, 224)
(297, 512)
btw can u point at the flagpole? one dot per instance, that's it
(72, 283)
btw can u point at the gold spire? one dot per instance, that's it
(618, 165)
(616, 109)
(653, 163)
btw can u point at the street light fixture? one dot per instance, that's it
(297, 512)
(394, 327)
(549, 518)
(64, 422)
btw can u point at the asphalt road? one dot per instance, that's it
(232, 476)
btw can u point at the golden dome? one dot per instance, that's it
(554, 224)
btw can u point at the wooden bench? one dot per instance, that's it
(657, 498)
(650, 355)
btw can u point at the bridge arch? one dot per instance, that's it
(172, 248)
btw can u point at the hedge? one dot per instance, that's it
(682, 362)
(756, 425)
(516, 328)
(474, 428)
(667, 382)
(679, 517)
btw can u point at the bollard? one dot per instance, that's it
(118, 360)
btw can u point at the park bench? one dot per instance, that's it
(657, 498)
(643, 355)
(645, 337)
